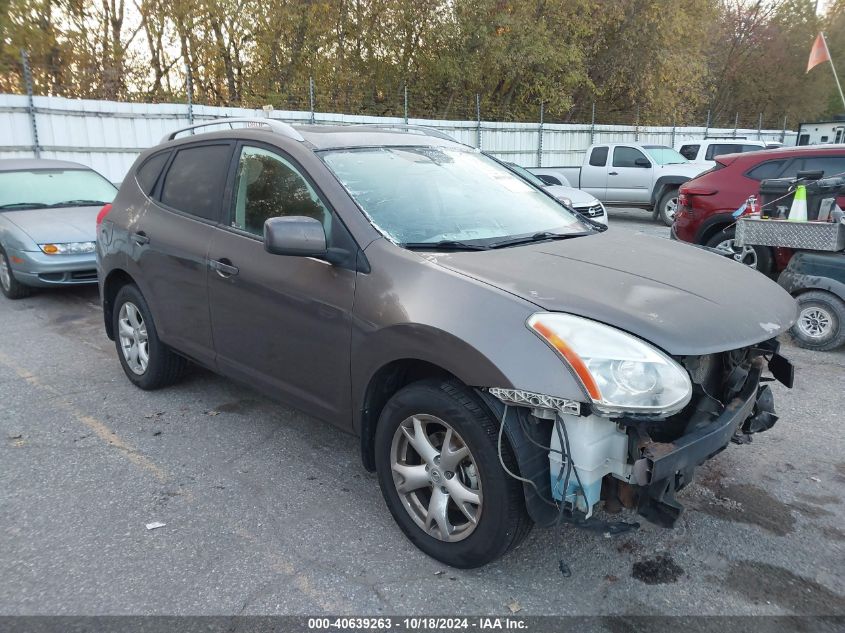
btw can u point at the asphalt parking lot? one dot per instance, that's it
(270, 512)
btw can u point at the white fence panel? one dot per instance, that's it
(108, 135)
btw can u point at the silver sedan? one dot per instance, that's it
(48, 212)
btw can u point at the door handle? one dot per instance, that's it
(613, 173)
(140, 238)
(223, 267)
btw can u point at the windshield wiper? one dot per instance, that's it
(76, 203)
(538, 237)
(444, 245)
(22, 205)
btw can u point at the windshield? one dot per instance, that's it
(664, 155)
(419, 195)
(39, 188)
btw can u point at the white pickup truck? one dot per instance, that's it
(631, 175)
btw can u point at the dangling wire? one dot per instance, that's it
(513, 474)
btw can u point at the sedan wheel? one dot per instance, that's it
(5, 274)
(9, 286)
(436, 477)
(134, 342)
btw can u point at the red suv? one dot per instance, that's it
(706, 203)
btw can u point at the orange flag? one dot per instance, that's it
(818, 53)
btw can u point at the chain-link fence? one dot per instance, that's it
(44, 120)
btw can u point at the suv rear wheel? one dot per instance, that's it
(821, 321)
(146, 361)
(439, 471)
(757, 257)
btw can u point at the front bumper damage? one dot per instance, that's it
(641, 464)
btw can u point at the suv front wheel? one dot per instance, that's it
(439, 471)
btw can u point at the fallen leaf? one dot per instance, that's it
(515, 607)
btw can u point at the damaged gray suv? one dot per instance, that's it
(504, 361)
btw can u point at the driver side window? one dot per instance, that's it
(268, 186)
(626, 156)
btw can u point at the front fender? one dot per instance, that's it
(411, 308)
(13, 237)
(666, 182)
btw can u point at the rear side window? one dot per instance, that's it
(195, 180)
(148, 173)
(598, 158)
(690, 151)
(769, 169)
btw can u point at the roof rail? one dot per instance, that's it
(280, 127)
(419, 129)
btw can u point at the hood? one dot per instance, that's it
(579, 197)
(680, 298)
(65, 224)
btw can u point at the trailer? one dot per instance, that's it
(822, 132)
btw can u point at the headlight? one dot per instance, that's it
(621, 373)
(565, 200)
(68, 248)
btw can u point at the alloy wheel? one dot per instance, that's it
(436, 477)
(134, 342)
(814, 322)
(5, 273)
(744, 255)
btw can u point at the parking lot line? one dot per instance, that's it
(100, 429)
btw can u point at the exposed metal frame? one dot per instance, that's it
(279, 127)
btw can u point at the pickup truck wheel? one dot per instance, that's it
(821, 321)
(757, 257)
(667, 206)
(11, 287)
(146, 361)
(439, 471)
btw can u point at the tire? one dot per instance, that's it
(667, 205)
(500, 523)
(163, 367)
(9, 286)
(757, 257)
(821, 321)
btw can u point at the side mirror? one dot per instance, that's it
(642, 162)
(297, 236)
